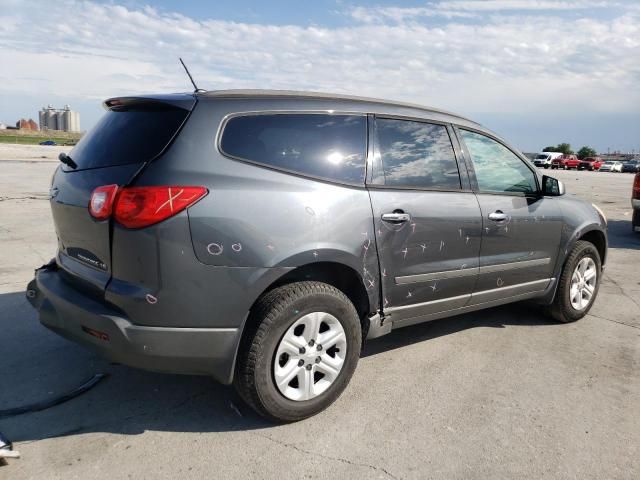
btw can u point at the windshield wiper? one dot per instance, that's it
(66, 159)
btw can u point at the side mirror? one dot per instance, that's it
(552, 186)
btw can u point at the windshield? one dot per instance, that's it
(542, 156)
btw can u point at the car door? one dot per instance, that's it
(427, 219)
(521, 229)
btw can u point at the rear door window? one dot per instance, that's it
(417, 155)
(329, 146)
(128, 135)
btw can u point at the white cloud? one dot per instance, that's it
(401, 14)
(509, 63)
(461, 9)
(489, 5)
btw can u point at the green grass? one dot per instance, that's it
(27, 140)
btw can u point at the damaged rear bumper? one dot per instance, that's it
(99, 326)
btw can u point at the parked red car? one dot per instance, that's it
(565, 162)
(590, 163)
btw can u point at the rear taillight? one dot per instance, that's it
(101, 202)
(636, 187)
(137, 207)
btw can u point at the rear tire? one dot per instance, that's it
(286, 385)
(578, 284)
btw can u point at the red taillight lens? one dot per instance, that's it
(101, 202)
(138, 207)
(636, 187)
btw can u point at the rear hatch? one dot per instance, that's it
(133, 132)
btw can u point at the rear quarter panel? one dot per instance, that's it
(256, 217)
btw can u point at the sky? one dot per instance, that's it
(537, 72)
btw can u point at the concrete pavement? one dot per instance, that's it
(501, 393)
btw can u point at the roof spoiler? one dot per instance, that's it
(184, 101)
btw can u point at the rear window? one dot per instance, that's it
(320, 145)
(128, 136)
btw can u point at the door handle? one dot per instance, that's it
(497, 216)
(396, 217)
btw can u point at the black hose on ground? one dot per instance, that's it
(36, 407)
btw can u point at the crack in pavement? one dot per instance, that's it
(615, 321)
(326, 457)
(624, 294)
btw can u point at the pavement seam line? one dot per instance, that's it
(326, 457)
(615, 321)
(30, 197)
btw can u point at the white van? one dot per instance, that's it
(544, 159)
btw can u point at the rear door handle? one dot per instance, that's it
(396, 217)
(497, 216)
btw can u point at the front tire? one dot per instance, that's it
(578, 285)
(300, 351)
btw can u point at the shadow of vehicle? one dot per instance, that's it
(522, 313)
(621, 235)
(37, 364)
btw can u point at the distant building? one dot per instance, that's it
(23, 124)
(2, 126)
(54, 119)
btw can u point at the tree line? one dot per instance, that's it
(565, 148)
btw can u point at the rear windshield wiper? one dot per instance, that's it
(66, 159)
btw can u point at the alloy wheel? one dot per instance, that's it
(310, 356)
(583, 283)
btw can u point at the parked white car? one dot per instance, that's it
(611, 166)
(544, 159)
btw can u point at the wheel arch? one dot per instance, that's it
(593, 234)
(599, 240)
(343, 277)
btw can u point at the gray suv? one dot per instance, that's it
(259, 237)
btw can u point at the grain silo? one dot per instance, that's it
(65, 119)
